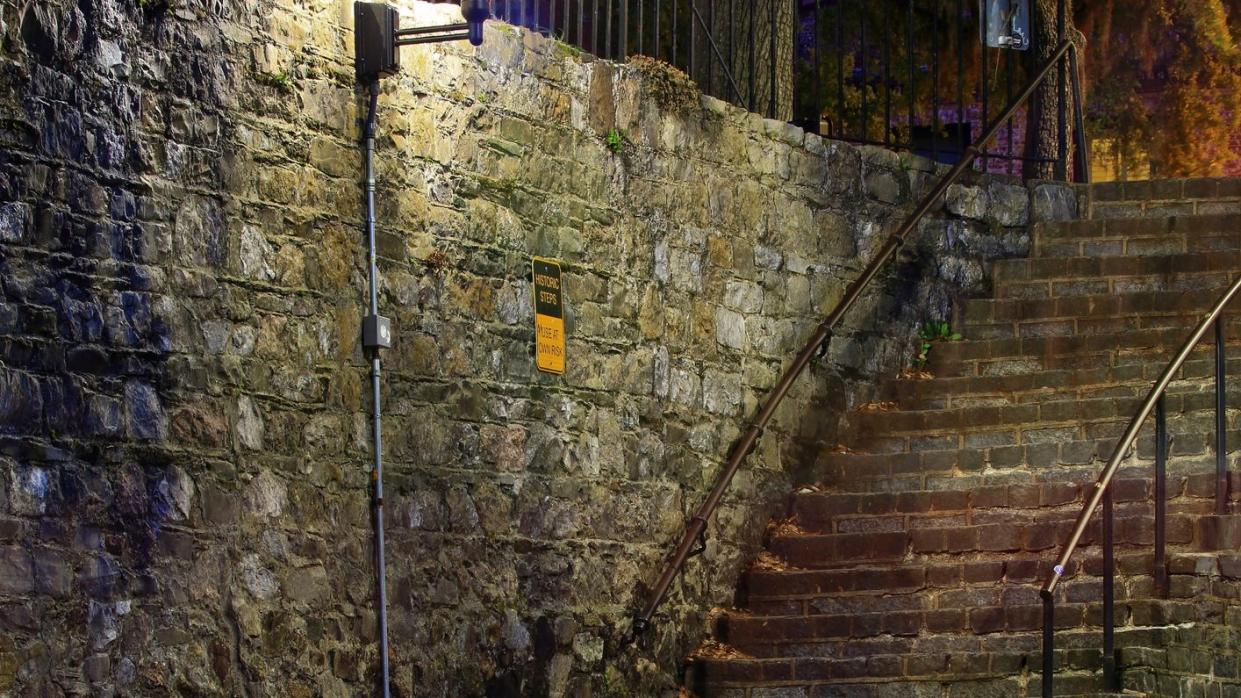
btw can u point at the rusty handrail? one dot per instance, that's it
(1101, 494)
(697, 528)
(1131, 434)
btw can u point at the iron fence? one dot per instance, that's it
(905, 74)
(908, 74)
(737, 50)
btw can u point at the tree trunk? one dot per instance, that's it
(752, 65)
(1043, 116)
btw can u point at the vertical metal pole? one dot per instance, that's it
(839, 124)
(1221, 422)
(607, 33)
(962, 139)
(1109, 593)
(909, 55)
(674, 30)
(581, 24)
(732, 38)
(887, 73)
(753, 70)
(771, 56)
(935, 81)
(863, 59)
(1049, 643)
(594, 29)
(693, 44)
(377, 473)
(1008, 95)
(984, 86)
(818, 73)
(1082, 159)
(641, 26)
(1062, 114)
(659, 5)
(624, 32)
(1161, 497)
(710, 37)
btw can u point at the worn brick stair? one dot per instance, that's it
(912, 567)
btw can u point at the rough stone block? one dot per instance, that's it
(1219, 532)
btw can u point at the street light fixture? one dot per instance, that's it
(378, 38)
(377, 41)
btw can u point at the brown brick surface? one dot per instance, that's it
(934, 536)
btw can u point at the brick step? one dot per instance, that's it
(1000, 580)
(984, 311)
(966, 669)
(1191, 661)
(1150, 681)
(1170, 189)
(1009, 687)
(825, 550)
(832, 512)
(797, 591)
(936, 609)
(1096, 269)
(1131, 380)
(992, 629)
(1159, 208)
(1135, 237)
(1219, 532)
(1183, 408)
(1088, 285)
(1176, 312)
(997, 453)
(913, 464)
(1004, 357)
(915, 655)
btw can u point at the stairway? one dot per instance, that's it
(912, 568)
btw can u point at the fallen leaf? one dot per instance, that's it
(711, 649)
(769, 562)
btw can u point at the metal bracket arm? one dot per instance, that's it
(432, 35)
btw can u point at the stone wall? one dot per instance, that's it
(184, 452)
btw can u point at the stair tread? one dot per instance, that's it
(913, 566)
(1180, 405)
(1055, 384)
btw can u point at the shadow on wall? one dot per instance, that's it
(108, 210)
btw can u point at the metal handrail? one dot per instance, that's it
(695, 532)
(1101, 493)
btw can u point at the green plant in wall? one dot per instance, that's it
(615, 140)
(928, 335)
(281, 81)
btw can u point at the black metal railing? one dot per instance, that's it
(909, 74)
(733, 49)
(1102, 494)
(905, 74)
(692, 539)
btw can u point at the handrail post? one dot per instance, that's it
(1062, 98)
(1081, 157)
(1221, 422)
(1049, 642)
(1109, 594)
(1101, 494)
(1161, 498)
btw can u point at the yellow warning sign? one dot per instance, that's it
(548, 316)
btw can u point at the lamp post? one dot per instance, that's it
(377, 41)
